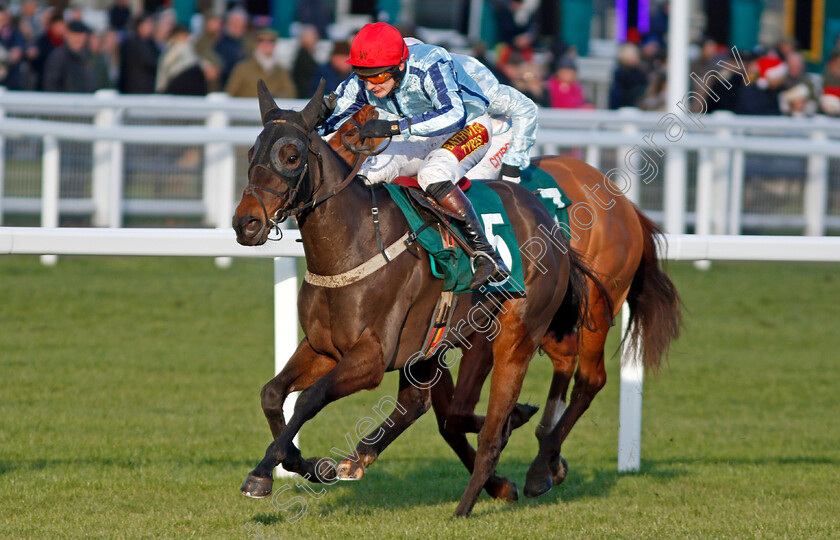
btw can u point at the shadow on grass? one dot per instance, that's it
(31, 465)
(405, 484)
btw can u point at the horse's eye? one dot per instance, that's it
(293, 159)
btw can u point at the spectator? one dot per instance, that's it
(655, 97)
(103, 65)
(261, 65)
(179, 70)
(513, 18)
(305, 65)
(165, 22)
(205, 48)
(231, 46)
(118, 16)
(138, 58)
(50, 39)
(12, 45)
(629, 80)
(67, 68)
(762, 98)
(797, 77)
(313, 13)
(830, 101)
(831, 71)
(797, 101)
(28, 22)
(336, 70)
(564, 90)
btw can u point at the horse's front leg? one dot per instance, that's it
(413, 400)
(304, 367)
(362, 367)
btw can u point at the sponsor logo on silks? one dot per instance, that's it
(467, 141)
(496, 159)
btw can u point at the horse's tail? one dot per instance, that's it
(655, 305)
(574, 310)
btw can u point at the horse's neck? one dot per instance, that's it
(334, 232)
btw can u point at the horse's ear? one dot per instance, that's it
(267, 103)
(312, 112)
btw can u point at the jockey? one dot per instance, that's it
(516, 117)
(438, 111)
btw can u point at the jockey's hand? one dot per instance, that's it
(510, 173)
(375, 129)
(327, 108)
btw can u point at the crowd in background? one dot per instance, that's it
(43, 49)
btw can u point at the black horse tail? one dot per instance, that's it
(574, 311)
(655, 305)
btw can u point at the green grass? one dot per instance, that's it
(129, 407)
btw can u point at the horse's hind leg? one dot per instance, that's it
(590, 377)
(563, 355)
(511, 358)
(476, 365)
(413, 400)
(496, 486)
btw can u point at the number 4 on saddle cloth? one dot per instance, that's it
(449, 262)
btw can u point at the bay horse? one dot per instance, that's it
(620, 248)
(367, 314)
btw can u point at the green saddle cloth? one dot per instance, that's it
(452, 264)
(541, 184)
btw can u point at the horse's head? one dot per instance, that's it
(279, 174)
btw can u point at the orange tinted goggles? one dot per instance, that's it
(379, 78)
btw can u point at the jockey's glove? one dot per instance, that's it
(375, 129)
(510, 173)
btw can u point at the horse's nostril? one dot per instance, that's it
(252, 227)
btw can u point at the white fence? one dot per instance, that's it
(222, 243)
(108, 157)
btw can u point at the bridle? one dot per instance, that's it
(296, 180)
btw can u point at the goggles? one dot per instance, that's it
(379, 78)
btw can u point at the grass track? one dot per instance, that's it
(129, 407)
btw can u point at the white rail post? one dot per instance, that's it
(593, 155)
(720, 176)
(633, 191)
(675, 161)
(703, 211)
(107, 177)
(816, 187)
(2, 157)
(630, 402)
(49, 190)
(285, 330)
(219, 175)
(736, 192)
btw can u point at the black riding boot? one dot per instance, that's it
(487, 262)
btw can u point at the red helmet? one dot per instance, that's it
(377, 45)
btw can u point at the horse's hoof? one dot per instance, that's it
(559, 470)
(503, 489)
(521, 414)
(324, 471)
(538, 481)
(256, 487)
(349, 470)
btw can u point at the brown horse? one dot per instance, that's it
(363, 316)
(620, 248)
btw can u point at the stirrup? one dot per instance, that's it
(484, 254)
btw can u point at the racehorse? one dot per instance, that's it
(620, 248)
(363, 313)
